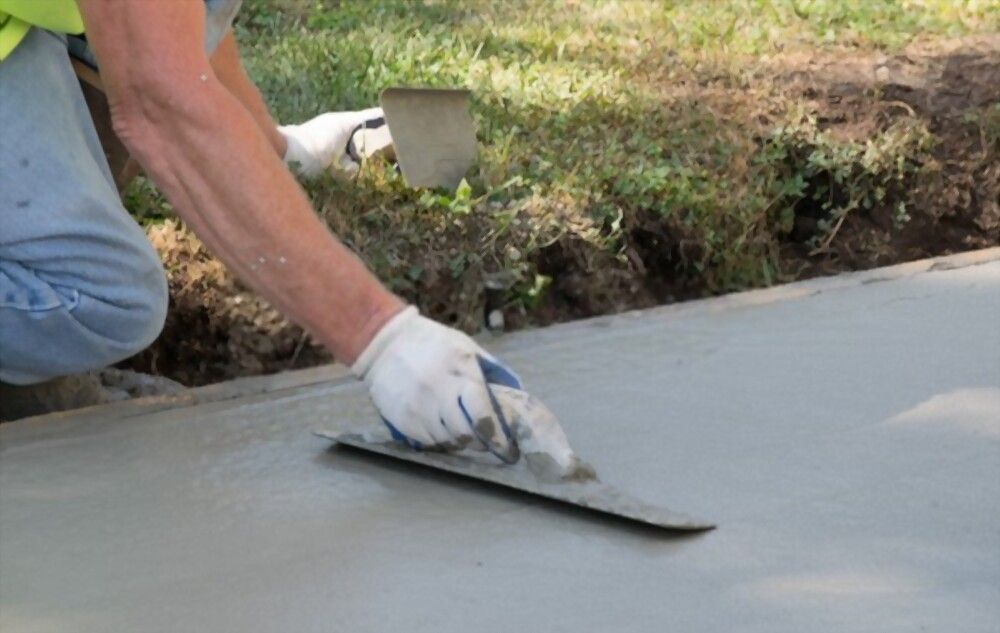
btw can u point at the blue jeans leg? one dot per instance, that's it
(80, 286)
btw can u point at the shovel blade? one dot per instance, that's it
(433, 134)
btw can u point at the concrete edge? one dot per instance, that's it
(752, 298)
(334, 374)
(287, 381)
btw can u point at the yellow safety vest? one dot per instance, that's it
(18, 16)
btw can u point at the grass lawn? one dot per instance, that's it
(633, 152)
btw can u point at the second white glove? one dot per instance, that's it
(321, 143)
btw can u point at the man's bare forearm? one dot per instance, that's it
(228, 67)
(206, 152)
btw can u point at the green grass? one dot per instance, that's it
(602, 123)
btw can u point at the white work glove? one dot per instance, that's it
(322, 142)
(431, 385)
(540, 438)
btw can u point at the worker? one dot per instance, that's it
(81, 288)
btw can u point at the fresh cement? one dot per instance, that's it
(844, 434)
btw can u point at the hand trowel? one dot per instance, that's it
(428, 131)
(547, 466)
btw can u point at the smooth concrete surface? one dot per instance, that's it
(845, 437)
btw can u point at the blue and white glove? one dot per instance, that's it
(431, 385)
(323, 142)
(540, 437)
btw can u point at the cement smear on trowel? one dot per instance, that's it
(546, 469)
(540, 438)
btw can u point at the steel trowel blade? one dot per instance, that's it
(591, 495)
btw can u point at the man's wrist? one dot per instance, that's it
(380, 310)
(384, 338)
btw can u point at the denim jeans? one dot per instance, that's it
(80, 286)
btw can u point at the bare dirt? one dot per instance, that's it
(954, 87)
(218, 330)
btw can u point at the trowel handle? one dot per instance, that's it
(369, 138)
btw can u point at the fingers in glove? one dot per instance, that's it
(414, 436)
(419, 429)
(370, 114)
(369, 138)
(457, 425)
(399, 436)
(486, 421)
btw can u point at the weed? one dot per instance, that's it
(829, 179)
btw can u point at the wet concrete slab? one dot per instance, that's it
(844, 434)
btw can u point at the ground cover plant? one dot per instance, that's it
(633, 152)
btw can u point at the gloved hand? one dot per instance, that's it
(540, 437)
(431, 385)
(322, 142)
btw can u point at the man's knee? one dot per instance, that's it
(56, 327)
(152, 308)
(143, 320)
(131, 315)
